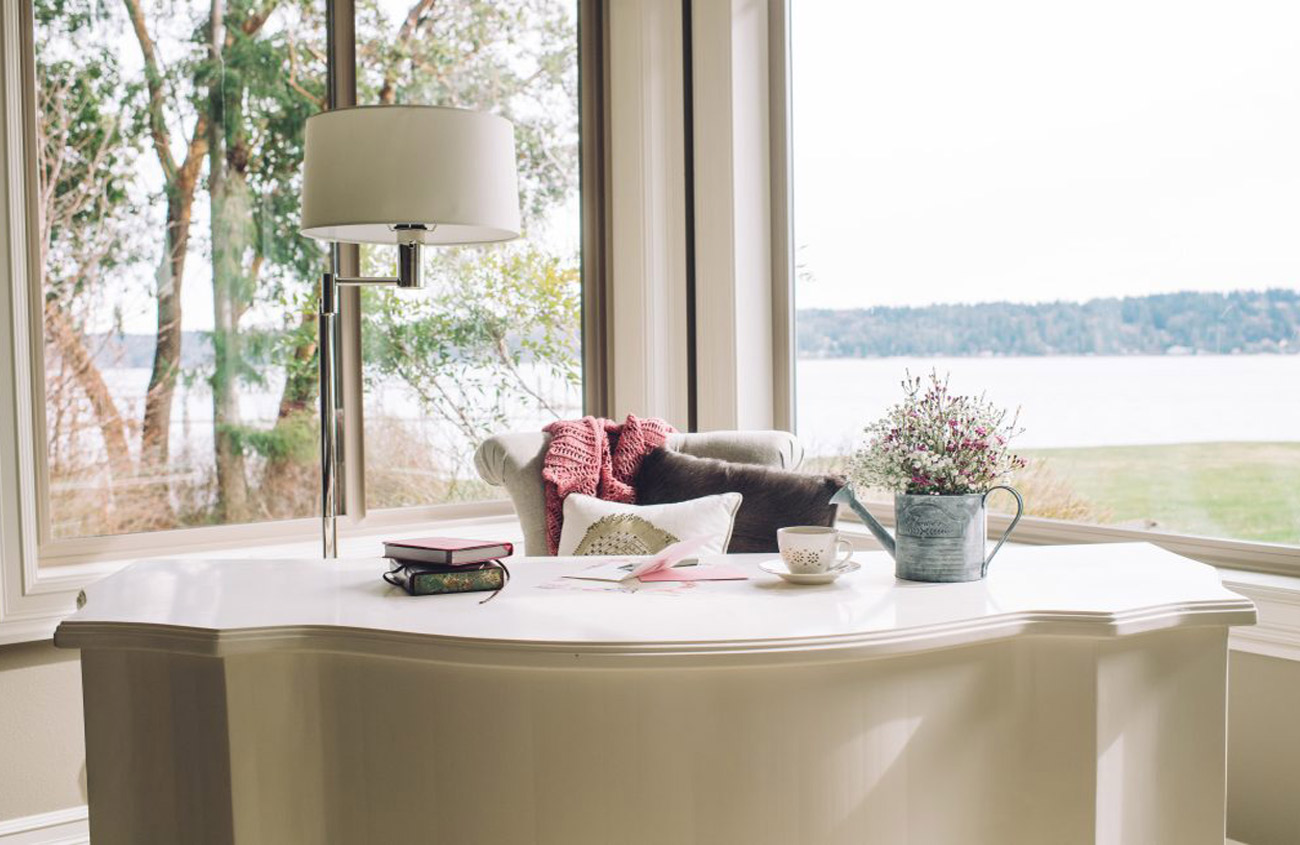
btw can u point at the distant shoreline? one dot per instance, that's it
(1280, 353)
(1238, 322)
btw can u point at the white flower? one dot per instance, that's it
(934, 442)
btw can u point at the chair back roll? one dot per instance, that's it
(514, 461)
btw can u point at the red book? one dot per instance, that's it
(447, 551)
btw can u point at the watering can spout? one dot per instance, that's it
(845, 497)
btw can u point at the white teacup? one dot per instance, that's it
(809, 549)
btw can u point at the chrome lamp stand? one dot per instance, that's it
(408, 277)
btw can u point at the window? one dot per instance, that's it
(493, 343)
(175, 288)
(1089, 214)
(179, 331)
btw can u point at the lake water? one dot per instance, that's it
(1065, 401)
(191, 432)
(1071, 401)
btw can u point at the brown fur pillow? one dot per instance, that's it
(774, 498)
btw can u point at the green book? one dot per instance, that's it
(436, 580)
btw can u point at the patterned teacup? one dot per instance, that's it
(809, 549)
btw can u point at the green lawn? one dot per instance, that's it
(1243, 491)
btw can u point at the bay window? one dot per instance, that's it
(1095, 229)
(176, 381)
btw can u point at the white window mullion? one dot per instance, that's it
(733, 231)
(648, 309)
(24, 614)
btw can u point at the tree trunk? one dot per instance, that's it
(65, 337)
(180, 182)
(290, 484)
(230, 218)
(301, 383)
(156, 429)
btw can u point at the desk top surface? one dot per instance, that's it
(222, 607)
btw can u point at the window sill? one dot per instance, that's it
(1277, 597)
(58, 580)
(93, 554)
(1269, 558)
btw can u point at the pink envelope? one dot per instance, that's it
(663, 566)
(713, 572)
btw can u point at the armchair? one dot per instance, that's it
(514, 461)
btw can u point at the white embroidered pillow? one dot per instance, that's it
(596, 527)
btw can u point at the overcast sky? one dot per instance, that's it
(949, 151)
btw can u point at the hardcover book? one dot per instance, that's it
(423, 580)
(447, 550)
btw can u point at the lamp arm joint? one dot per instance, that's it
(358, 281)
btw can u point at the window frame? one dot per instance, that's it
(40, 576)
(1250, 556)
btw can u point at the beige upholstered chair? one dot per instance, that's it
(515, 462)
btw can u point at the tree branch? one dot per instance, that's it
(293, 74)
(154, 79)
(417, 13)
(499, 346)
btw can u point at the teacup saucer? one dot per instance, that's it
(778, 567)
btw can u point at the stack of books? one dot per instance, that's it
(437, 565)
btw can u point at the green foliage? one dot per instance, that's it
(295, 440)
(1246, 321)
(86, 161)
(1244, 491)
(467, 349)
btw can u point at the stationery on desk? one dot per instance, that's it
(448, 551)
(673, 563)
(438, 565)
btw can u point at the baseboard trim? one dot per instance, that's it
(60, 827)
(72, 827)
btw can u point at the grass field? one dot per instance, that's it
(1242, 491)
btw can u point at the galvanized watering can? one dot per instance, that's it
(940, 538)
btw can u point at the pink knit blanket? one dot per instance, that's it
(596, 457)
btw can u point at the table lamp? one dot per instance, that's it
(404, 175)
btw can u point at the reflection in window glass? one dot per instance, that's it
(1089, 215)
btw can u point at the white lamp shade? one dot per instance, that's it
(370, 169)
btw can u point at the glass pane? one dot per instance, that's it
(493, 343)
(1089, 216)
(179, 342)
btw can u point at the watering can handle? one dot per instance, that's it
(1020, 511)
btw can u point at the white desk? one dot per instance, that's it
(1076, 695)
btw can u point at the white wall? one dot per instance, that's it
(1263, 750)
(42, 750)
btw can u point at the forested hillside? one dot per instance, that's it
(1176, 323)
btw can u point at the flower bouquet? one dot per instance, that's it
(940, 454)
